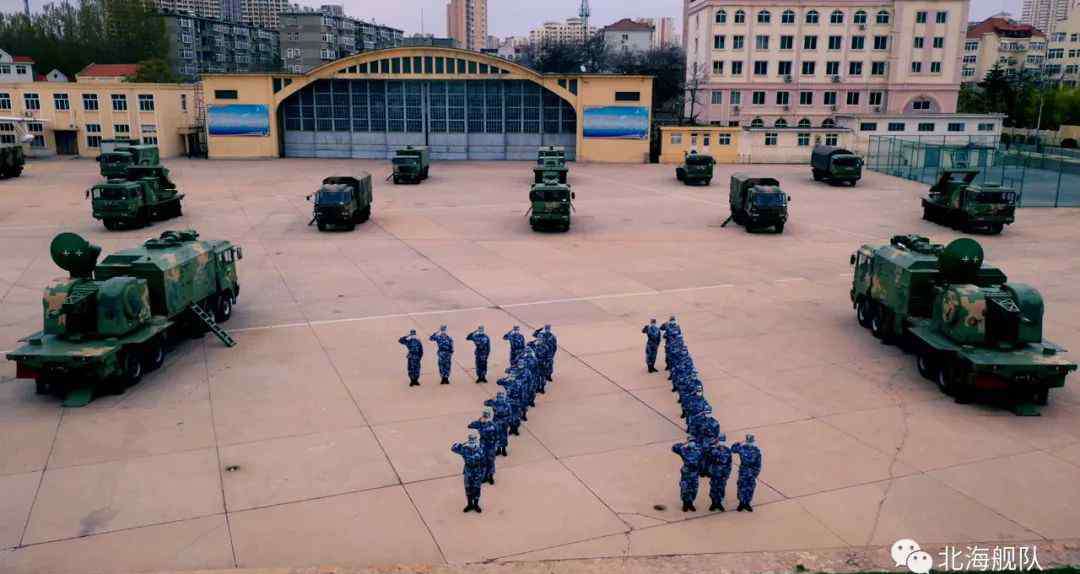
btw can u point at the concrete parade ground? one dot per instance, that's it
(304, 445)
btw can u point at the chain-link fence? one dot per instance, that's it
(1040, 178)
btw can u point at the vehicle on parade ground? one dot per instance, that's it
(556, 152)
(696, 168)
(342, 201)
(956, 202)
(114, 163)
(970, 329)
(835, 165)
(146, 194)
(411, 164)
(550, 168)
(111, 322)
(12, 154)
(551, 204)
(757, 203)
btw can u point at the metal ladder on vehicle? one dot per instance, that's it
(211, 324)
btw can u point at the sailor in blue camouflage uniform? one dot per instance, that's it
(718, 467)
(517, 343)
(475, 469)
(695, 404)
(514, 395)
(534, 383)
(501, 406)
(671, 332)
(483, 349)
(416, 353)
(652, 344)
(552, 343)
(702, 426)
(489, 441)
(445, 352)
(691, 456)
(749, 469)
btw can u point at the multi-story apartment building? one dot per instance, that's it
(781, 64)
(71, 118)
(569, 31)
(204, 8)
(466, 22)
(999, 41)
(262, 13)
(628, 35)
(16, 68)
(1063, 52)
(311, 38)
(206, 45)
(1042, 14)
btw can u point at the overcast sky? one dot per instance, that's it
(516, 17)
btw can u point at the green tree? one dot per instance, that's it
(155, 71)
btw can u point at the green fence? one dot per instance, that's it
(1041, 179)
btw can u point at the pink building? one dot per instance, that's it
(770, 63)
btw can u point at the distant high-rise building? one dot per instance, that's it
(205, 45)
(466, 22)
(629, 35)
(1000, 42)
(203, 8)
(310, 38)
(262, 13)
(570, 31)
(1044, 13)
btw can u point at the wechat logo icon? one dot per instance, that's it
(907, 553)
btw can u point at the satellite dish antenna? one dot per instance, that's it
(961, 260)
(74, 254)
(583, 68)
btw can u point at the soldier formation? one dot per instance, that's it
(704, 453)
(532, 366)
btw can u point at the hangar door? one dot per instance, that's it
(457, 119)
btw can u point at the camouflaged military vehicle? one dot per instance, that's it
(550, 168)
(757, 203)
(147, 194)
(835, 165)
(12, 160)
(110, 322)
(696, 168)
(411, 164)
(556, 152)
(114, 163)
(958, 203)
(970, 329)
(342, 201)
(551, 205)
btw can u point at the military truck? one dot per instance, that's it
(551, 205)
(757, 203)
(114, 163)
(108, 145)
(696, 168)
(411, 164)
(342, 201)
(551, 168)
(12, 160)
(556, 152)
(110, 322)
(147, 194)
(970, 329)
(956, 202)
(835, 165)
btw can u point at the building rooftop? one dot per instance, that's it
(1003, 27)
(628, 25)
(108, 70)
(22, 59)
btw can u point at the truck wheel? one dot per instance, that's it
(321, 226)
(153, 355)
(366, 214)
(132, 364)
(15, 171)
(110, 224)
(42, 386)
(853, 182)
(927, 366)
(995, 228)
(178, 209)
(817, 175)
(223, 308)
(880, 323)
(779, 227)
(864, 312)
(926, 214)
(350, 226)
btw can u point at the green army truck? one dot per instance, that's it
(12, 160)
(551, 205)
(342, 201)
(970, 329)
(147, 194)
(551, 168)
(107, 145)
(757, 203)
(696, 168)
(110, 322)
(411, 164)
(114, 163)
(835, 165)
(956, 202)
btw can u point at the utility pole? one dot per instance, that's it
(26, 7)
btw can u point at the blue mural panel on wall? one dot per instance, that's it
(239, 120)
(616, 122)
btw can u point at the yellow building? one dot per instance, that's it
(71, 118)
(722, 143)
(462, 104)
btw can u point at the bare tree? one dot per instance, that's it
(695, 77)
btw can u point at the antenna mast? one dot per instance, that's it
(583, 13)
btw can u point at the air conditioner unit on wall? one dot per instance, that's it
(836, 79)
(787, 79)
(877, 109)
(833, 107)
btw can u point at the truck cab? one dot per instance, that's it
(835, 165)
(758, 202)
(551, 167)
(558, 153)
(342, 201)
(411, 164)
(146, 195)
(551, 205)
(696, 168)
(957, 202)
(114, 163)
